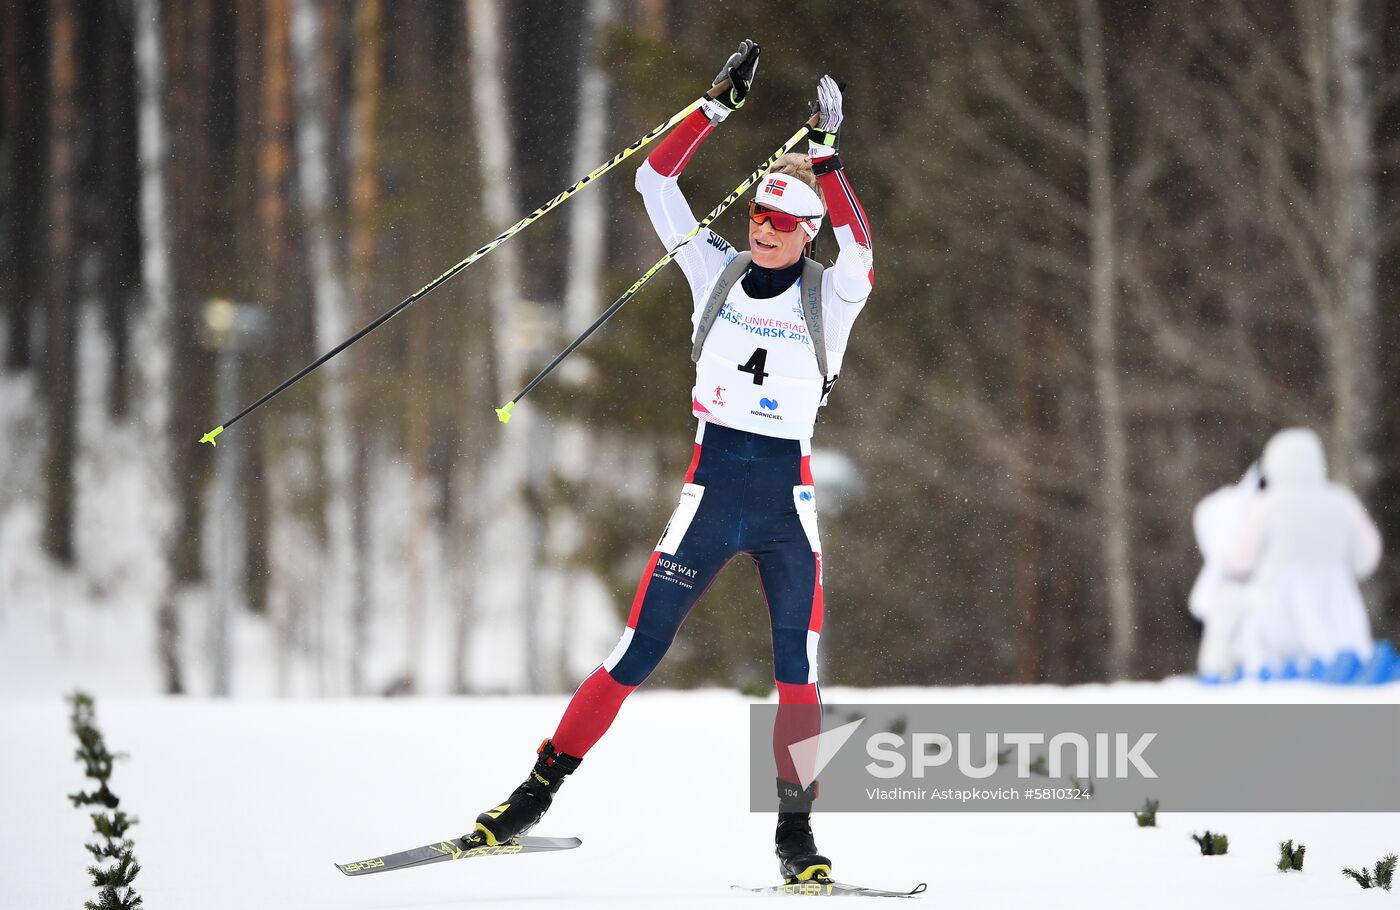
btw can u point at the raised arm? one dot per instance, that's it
(657, 179)
(847, 284)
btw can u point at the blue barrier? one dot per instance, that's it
(1346, 670)
(1383, 667)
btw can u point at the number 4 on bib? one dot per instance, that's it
(755, 366)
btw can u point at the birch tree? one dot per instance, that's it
(331, 327)
(156, 338)
(510, 534)
(364, 199)
(582, 301)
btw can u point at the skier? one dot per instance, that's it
(769, 338)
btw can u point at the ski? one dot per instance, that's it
(831, 889)
(446, 850)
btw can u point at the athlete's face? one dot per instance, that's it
(774, 249)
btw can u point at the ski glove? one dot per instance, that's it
(739, 69)
(827, 107)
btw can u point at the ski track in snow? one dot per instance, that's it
(247, 803)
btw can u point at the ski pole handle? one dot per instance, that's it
(719, 88)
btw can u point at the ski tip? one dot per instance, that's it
(920, 888)
(211, 436)
(503, 414)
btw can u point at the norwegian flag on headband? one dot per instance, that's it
(781, 192)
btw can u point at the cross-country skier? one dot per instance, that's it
(767, 350)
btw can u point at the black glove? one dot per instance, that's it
(739, 69)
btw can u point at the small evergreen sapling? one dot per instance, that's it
(1385, 871)
(1290, 860)
(1147, 818)
(1212, 844)
(116, 867)
(756, 689)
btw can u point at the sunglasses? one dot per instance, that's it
(781, 221)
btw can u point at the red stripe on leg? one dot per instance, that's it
(694, 463)
(590, 713)
(797, 693)
(642, 590)
(818, 599)
(806, 470)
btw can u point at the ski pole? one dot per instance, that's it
(503, 412)
(642, 142)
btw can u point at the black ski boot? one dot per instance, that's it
(798, 859)
(528, 802)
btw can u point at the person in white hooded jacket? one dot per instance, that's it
(1303, 545)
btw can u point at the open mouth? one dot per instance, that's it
(764, 245)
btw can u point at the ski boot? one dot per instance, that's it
(527, 803)
(798, 859)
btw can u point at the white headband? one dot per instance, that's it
(794, 197)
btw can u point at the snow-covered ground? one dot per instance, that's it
(246, 803)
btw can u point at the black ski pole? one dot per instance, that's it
(714, 92)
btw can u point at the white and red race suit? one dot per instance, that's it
(757, 371)
(749, 488)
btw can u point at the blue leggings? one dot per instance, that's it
(744, 494)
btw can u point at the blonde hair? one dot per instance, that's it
(796, 164)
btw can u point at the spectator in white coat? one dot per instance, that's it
(1303, 544)
(1218, 599)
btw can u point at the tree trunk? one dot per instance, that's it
(417, 80)
(120, 237)
(582, 300)
(155, 366)
(364, 199)
(331, 327)
(1351, 178)
(272, 487)
(1025, 587)
(1103, 292)
(26, 64)
(62, 266)
(511, 542)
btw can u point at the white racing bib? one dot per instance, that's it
(757, 371)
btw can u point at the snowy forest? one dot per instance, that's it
(1119, 245)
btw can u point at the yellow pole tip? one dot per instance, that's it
(209, 437)
(503, 414)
